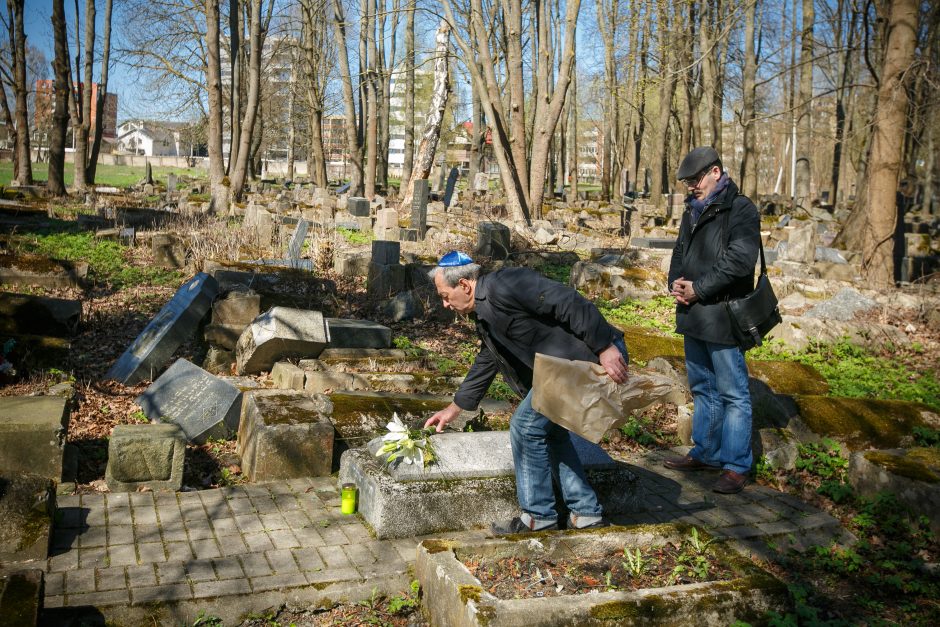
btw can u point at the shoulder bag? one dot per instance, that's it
(753, 316)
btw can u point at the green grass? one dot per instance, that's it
(107, 175)
(356, 237)
(657, 313)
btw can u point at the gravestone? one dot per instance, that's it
(279, 333)
(346, 333)
(175, 323)
(145, 457)
(801, 245)
(493, 240)
(439, 184)
(419, 207)
(39, 315)
(27, 505)
(386, 253)
(295, 246)
(481, 182)
(386, 225)
(32, 434)
(359, 207)
(202, 405)
(168, 251)
(449, 188)
(171, 183)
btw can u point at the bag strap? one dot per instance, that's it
(725, 237)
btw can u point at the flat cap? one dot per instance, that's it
(696, 161)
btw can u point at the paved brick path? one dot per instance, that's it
(267, 544)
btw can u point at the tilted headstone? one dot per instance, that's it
(449, 188)
(386, 253)
(171, 183)
(358, 207)
(481, 182)
(279, 333)
(493, 240)
(175, 323)
(346, 333)
(201, 404)
(296, 244)
(419, 207)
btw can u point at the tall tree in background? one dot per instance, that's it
(667, 89)
(100, 97)
(804, 113)
(353, 142)
(748, 172)
(56, 183)
(239, 172)
(18, 123)
(218, 186)
(871, 226)
(409, 95)
(317, 60)
(608, 14)
(236, 58)
(81, 95)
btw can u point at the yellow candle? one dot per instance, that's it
(348, 498)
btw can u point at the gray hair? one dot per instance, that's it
(451, 275)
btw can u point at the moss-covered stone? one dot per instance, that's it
(789, 377)
(862, 423)
(437, 546)
(920, 464)
(645, 344)
(469, 593)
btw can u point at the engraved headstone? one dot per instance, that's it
(449, 188)
(419, 207)
(175, 323)
(297, 239)
(279, 333)
(202, 405)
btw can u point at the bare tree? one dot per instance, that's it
(56, 182)
(353, 143)
(239, 171)
(18, 123)
(317, 59)
(667, 89)
(218, 184)
(607, 22)
(101, 97)
(748, 171)
(804, 113)
(409, 154)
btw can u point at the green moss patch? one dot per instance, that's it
(919, 464)
(789, 377)
(862, 423)
(644, 345)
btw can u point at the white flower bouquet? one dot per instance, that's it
(411, 446)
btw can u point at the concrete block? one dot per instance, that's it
(358, 207)
(279, 333)
(236, 308)
(39, 315)
(27, 503)
(32, 434)
(347, 333)
(385, 281)
(386, 253)
(148, 456)
(287, 376)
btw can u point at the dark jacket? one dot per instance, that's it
(717, 274)
(518, 313)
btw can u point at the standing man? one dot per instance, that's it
(519, 313)
(713, 262)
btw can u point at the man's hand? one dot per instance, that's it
(682, 291)
(612, 360)
(443, 417)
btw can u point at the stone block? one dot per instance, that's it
(295, 246)
(201, 404)
(454, 597)
(403, 306)
(386, 253)
(347, 333)
(39, 315)
(223, 335)
(493, 240)
(801, 244)
(147, 456)
(386, 219)
(358, 207)
(168, 251)
(351, 263)
(287, 376)
(419, 207)
(172, 326)
(21, 596)
(236, 307)
(27, 503)
(24, 269)
(322, 381)
(386, 281)
(279, 333)
(472, 483)
(218, 361)
(32, 434)
(912, 475)
(285, 435)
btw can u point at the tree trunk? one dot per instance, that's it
(607, 11)
(841, 92)
(516, 83)
(102, 97)
(804, 128)
(885, 166)
(316, 70)
(353, 145)
(24, 170)
(218, 185)
(56, 184)
(572, 143)
(240, 170)
(748, 173)
(82, 124)
(235, 81)
(666, 92)
(409, 155)
(432, 127)
(316, 157)
(291, 122)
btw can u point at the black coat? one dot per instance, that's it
(518, 313)
(717, 275)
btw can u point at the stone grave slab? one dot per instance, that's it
(168, 251)
(172, 326)
(285, 434)
(32, 434)
(472, 484)
(386, 253)
(449, 186)
(295, 246)
(230, 315)
(26, 269)
(201, 404)
(493, 240)
(171, 182)
(454, 597)
(21, 596)
(360, 356)
(25, 313)
(481, 182)
(419, 207)
(145, 457)
(347, 333)
(384, 281)
(27, 503)
(279, 333)
(359, 207)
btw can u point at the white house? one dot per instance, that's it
(152, 139)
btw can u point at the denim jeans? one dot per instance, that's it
(541, 451)
(721, 419)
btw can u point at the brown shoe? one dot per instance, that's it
(687, 463)
(730, 482)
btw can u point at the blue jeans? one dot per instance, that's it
(541, 451)
(721, 419)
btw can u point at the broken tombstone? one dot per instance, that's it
(27, 503)
(279, 333)
(347, 333)
(145, 457)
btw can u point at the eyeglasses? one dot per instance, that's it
(693, 181)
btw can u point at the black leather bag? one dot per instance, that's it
(753, 316)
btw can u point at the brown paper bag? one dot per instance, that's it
(581, 397)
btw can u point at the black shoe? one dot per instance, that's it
(514, 526)
(687, 463)
(600, 524)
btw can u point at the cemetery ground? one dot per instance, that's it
(883, 571)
